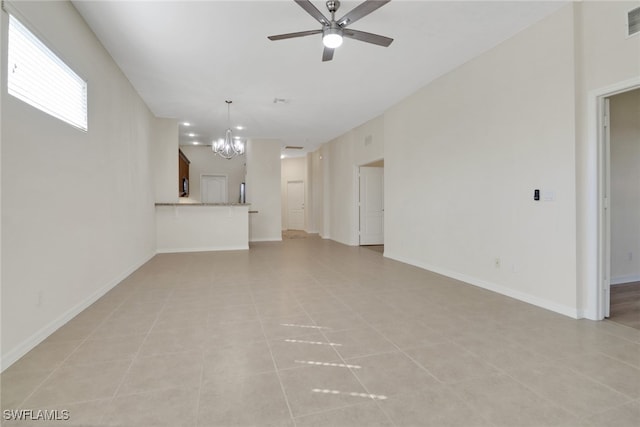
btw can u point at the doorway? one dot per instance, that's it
(600, 219)
(213, 189)
(622, 174)
(295, 205)
(371, 204)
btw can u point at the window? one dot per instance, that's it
(38, 77)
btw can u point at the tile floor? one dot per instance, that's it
(625, 304)
(309, 332)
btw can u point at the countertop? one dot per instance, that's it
(203, 204)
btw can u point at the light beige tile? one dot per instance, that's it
(390, 374)
(255, 400)
(409, 335)
(189, 319)
(365, 414)
(332, 321)
(78, 383)
(504, 402)
(46, 356)
(278, 328)
(173, 341)
(233, 333)
(501, 353)
(16, 386)
(568, 389)
(106, 349)
(449, 362)
(626, 352)
(243, 313)
(172, 407)
(320, 388)
(230, 362)
(611, 372)
(627, 415)
(120, 327)
(173, 370)
(293, 353)
(359, 342)
(235, 309)
(282, 308)
(433, 406)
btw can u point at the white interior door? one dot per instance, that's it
(213, 189)
(295, 205)
(371, 205)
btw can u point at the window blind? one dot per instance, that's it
(40, 78)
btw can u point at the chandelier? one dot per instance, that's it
(228, 147)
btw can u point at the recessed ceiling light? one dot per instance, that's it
(282, 156)
(196, 143)
(186, 124)
(192, 134)
(239, 127)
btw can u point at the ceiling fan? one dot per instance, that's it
(333, 30)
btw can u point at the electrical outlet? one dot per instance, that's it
(497, 263)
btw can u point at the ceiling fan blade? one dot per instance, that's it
(362, 10)
(327, 54)
(313, 11)
(293, 35)
(368, 37)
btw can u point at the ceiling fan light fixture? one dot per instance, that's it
(332, 38)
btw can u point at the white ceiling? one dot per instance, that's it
(186, 58)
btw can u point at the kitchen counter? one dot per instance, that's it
(203, 204)
(197, 227)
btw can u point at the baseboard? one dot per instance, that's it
(522, 296)
(203, 249)
(266, 239)
(28, 344)
(621, 280)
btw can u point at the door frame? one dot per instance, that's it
(597, 219)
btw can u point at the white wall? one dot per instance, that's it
(357, 147)
(165, 160)
(625, 187)
(293, 169)
(314, 178)
(205, 161)
(77, 207)
(604, 56)
(464, 155)
(263, 190)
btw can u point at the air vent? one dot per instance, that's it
(293, 147)
(633, 21)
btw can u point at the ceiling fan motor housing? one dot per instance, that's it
(333, 5)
